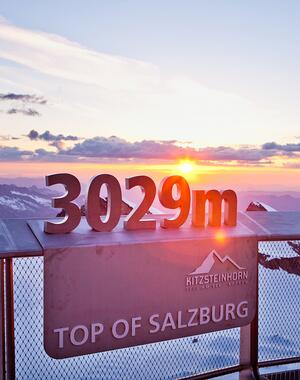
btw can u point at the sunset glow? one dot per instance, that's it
(186, 166)
(138, 110)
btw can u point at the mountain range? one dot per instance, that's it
(25, 202)
(35, 202)
(28, 198)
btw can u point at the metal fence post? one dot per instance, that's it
(2, 330)
(249, 345)
(9, 320)
(249, 350)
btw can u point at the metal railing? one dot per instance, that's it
(272, 338)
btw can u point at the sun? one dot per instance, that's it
(186, 167)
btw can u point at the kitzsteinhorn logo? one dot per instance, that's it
(216, 271)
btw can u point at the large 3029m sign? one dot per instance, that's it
(184, 201)
(122, 288)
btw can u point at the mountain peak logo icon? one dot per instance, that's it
(215, 260)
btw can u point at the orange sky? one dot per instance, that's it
(220, 177)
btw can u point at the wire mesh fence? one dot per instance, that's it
(279, 332)
(279, 300)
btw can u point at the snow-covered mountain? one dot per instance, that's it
(34, 202)
(280, 201)
(259, 206)
(24, 202)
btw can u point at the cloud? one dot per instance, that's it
(33, 135)
(54, 55)
(115, 147)
(17, 154)
(286, 148)
(48, 136)
(15, 100)
(59, 145)
(23, 111)
(25, 98)
(116, 91)
(13, 153)
(8, 138)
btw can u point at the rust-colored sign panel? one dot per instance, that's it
(105, 298)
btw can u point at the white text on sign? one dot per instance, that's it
(121, 328)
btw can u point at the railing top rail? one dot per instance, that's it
(280, 225)
(84, 236)
(21, 238)
(17, 239)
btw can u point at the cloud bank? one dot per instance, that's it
(119, 149)
(115, 147)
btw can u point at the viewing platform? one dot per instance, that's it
(270, 340)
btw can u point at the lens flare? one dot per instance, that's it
(220, 236)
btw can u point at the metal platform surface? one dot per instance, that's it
(17, 239)
(83, 235)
